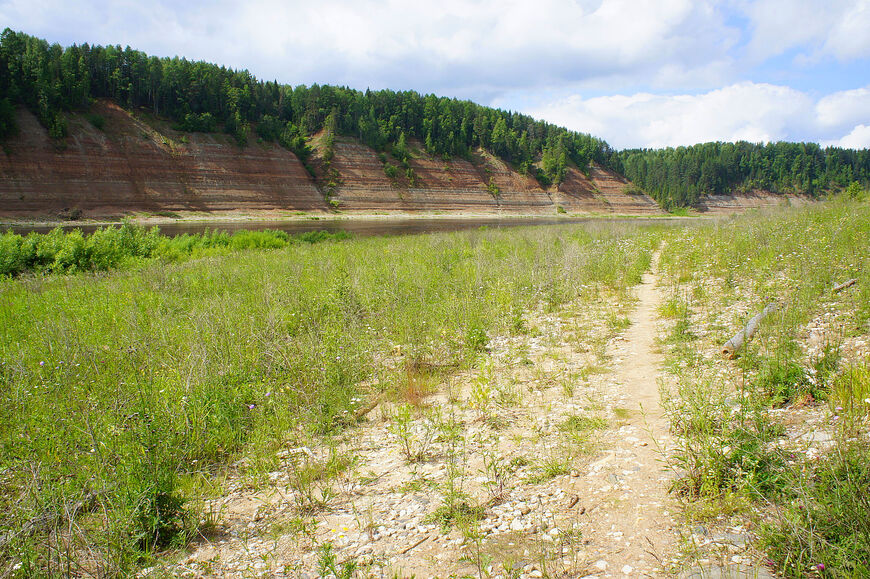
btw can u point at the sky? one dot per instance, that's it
(637, 73)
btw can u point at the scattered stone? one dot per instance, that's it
(732, 539)
(728, 572)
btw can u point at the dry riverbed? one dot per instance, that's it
(553, 457)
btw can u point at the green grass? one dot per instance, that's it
(112, 247)
(120, 387)
(730, 454)
(824, 526)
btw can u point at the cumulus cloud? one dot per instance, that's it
(844, 109)
(445, 45)
(744, 111)
(815, 28)
(754, 112)
(859, 138)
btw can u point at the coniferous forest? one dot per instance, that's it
(51, 80)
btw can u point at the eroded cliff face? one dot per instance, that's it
(132, 166)
(139, 164)
(483, 184)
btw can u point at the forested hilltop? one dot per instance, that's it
(51, 80)
(199, 96)
(678, 177)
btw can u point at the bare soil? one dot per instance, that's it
(569, 411)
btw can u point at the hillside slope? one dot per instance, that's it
(131, 166)
(139, 164)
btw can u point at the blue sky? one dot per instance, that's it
(638, 73)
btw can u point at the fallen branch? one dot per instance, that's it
(844, 285)
(729, 350)
(360, 413)
(406, 549)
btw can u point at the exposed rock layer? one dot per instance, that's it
(132, 166)
(139, 164)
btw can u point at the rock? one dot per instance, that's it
(729, 572)
(732, 539)
(627, 569)
(601, 564)
(516, 525)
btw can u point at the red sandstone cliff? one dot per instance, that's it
(138, 164)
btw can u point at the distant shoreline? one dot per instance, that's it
(265, 217)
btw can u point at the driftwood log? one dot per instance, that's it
(729, 350)
(844, 285)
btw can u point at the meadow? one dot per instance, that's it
(140, 373)
(129, 386)
(775, 440)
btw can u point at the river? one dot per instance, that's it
(364, 227)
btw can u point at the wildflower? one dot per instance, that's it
(251, 406)
(42, 363)
(268, 394)
(820, 567)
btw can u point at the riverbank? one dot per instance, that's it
(357, 223)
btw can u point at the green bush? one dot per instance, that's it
(784, 380)
(114, 247)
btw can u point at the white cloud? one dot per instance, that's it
(814, 28)
(744, 111)
(859, 138)
(443, 45)
(844, 109)
(849, 38)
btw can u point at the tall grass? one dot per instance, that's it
(795, 257)
(120, 390)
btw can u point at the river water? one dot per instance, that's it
(364, 227)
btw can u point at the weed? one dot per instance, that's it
(824, 526)
(482, 391)
(723, 449)
(784, 379)
(185, 355)
(313, 481)
(499, 473)
(850, 395)
(415, 438)
(617, 323)
(327, 564)
(549, 468)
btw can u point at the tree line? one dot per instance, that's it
(198, 96)
(678, 177)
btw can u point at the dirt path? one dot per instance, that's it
(635, 513)
(556, 436)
